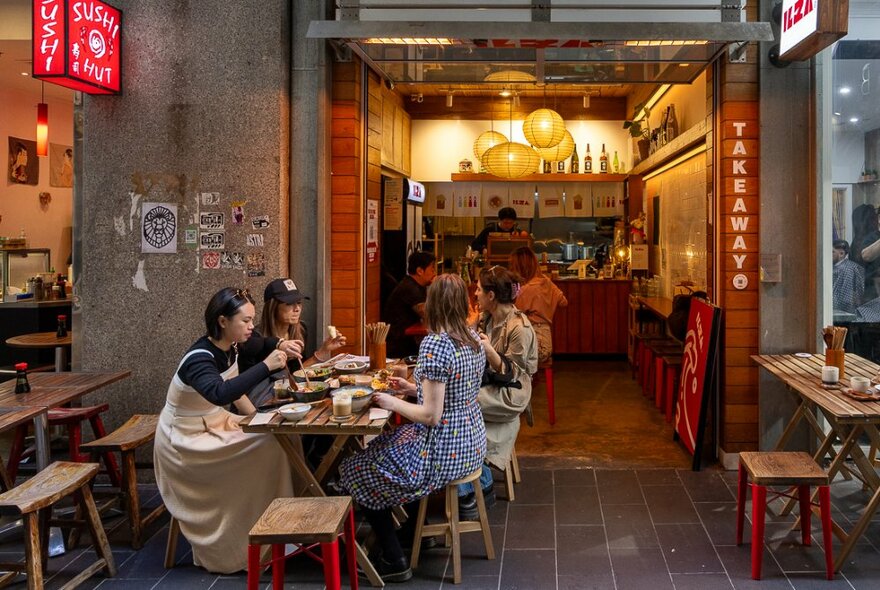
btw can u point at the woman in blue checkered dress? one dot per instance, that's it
(447, 437)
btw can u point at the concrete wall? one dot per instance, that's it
(205, 108)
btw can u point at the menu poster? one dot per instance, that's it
(608, 199)
(495, 196)
(550, 200)
(372, 230)
(639, 257)
(393, 197)
(438, 199)
(699, 361)
(522, 199)
(578, 199)
(467, 198)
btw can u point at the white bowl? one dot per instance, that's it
(350, 367)
(294, 412)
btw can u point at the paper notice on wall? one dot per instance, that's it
(393, 204)
(158, 228)
(578, 199)
(495, 196)
(607, 199)
(639, 257)
(438, 199)
(550, 199)
(467, 199)
(522, 199)
(372, 230)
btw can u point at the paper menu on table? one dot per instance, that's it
(262, 418)
(379, 414)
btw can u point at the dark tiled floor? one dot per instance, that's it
(607, 502)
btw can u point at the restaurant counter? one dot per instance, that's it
(595, 320)
(27, 317)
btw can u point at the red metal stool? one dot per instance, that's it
(656, 349)
(547, 367)
(668, 380)
(307, 522)
(643, 355)
(72, 419)
(795, 470)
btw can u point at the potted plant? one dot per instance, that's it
(639, 131)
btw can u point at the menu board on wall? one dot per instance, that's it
(393, 197)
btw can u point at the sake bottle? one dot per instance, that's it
(603, 161)
(575, 162)
(616, 163)
(588, 162)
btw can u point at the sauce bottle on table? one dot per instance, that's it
(21, 379)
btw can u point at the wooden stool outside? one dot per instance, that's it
(793, 470)
(33, 500)
(305, 521)
(72, 419)
(171, 543)
(511, 476)
(139, 430)
(452, 528)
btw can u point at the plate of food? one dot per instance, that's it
(350, 367)
(380, 381)
(294, 412)
(360, 396)
(312, 392)
(313, 373)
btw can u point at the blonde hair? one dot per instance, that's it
(269, 326)
(446, 309)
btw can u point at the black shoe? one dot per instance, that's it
(467, 507)
(489, 496)
(396, 571)
(427, 543)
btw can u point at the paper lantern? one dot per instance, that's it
(486, 140)
(42, 129)
(560, 151)
(509, 76)
(544, 128)
(512, 160)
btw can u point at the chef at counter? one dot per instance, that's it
(506, 223)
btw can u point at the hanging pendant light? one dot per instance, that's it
(512, 160)
(42, 125)
(560, 151)
(544, 128)
(486, 140)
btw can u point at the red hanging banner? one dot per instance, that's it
(78, 44)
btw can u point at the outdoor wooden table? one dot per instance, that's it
(319, 421)
(11, 418)
(44, 340)
(848, 419)
(53, 390)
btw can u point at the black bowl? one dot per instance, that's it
(319, 391)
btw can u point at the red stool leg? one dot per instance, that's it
(350, 551)
(740, 503)
(278, 566)
(330, 555)
(109, 458)
(253, 574)
(643, 364)
(659, 374)
(806, 513)
(671, 390)
(825, 512)
(759, 508)
(74, 438)
(16, 451)
(551, 400)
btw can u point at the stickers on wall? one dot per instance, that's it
(372, 230)
(238, 212)
(211, 260)
(212, 240)
(255, 240)
(256, 264)
(210, 199)
(191, 236)
(212, 220)
(159, 228)
(232, 260)
(260, 222)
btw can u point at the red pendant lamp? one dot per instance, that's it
(42, 125)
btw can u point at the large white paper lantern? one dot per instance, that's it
(544, 128)
(511, 160)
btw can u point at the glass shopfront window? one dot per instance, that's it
(853, 124)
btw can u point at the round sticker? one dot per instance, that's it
(740, 281)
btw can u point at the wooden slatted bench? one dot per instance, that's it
(138, 431)
(32, 501)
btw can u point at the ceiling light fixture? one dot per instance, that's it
(505, 92)
(544, 128)
(586, 101)
(42, 124)
(655, 98)
(409, 41)
(853, 119)
(687, 156)
(449, 100)
(845, 90)
(515, 98)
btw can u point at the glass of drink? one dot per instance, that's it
(342, 404)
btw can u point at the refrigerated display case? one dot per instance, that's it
(17, 265)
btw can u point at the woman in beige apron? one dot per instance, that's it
(215, 479)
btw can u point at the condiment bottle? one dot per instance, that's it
(62, 326)
(21, 379)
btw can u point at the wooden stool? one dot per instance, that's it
(33, 501)
(139, 430)
(171, 543)
(452, 528)
(547, 367)
(304, 521)
(791, 469)
(511, 476)
(72, 418)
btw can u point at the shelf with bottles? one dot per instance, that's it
(554, 177)
(673, 149)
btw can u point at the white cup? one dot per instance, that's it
(342, 404)
(860, 384)
(830, 375)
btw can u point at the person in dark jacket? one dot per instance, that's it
(506, 223)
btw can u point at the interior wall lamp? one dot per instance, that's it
(449, 99)
(655, 98)
(42, 124)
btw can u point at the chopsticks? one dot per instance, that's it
(834, 337)
(376, 333)
(305, 373)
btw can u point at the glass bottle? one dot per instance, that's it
(588, 162)
(560, 167)
(671, 124)
(21, 379)
(603, 161)
(616, 163)
(548, 167)
(62, 326)
(575, 161)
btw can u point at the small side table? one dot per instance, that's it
(44, 340)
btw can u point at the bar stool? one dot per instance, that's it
(452, 527)
(668, 379)
(547, 367)
(304, 521)
(793, 470)
(657, 348)
(511, 475)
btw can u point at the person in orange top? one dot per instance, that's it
(538, 298)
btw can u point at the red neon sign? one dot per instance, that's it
(78, 44)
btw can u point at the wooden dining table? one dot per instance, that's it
(346, 435)
(11, 418)
(44, 340)
(847, 418)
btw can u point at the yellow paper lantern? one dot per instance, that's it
(486, 140)
(560, 151)
(512, 160)
(544, 128)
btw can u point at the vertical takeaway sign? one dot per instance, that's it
(78, 44)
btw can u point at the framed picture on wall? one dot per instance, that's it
(24, 166)
(60, 165)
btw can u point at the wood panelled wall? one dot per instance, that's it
(738, 210)
(347, 204)
(374, 185)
